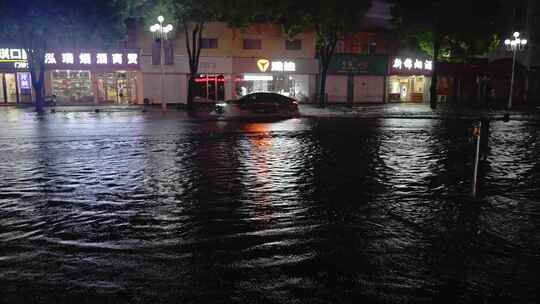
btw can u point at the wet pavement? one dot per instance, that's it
(131, 207)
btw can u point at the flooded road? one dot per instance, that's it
(153, 208)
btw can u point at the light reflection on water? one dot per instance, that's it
(152, 208)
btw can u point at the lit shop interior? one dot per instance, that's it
(408, 88)
(210, 87)
(294, 86)
(15, 87)
(118, 87)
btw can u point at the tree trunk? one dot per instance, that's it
(325, 56)
(435, 75)
(36, 66)
(322, 84)
(39, 97)
(194, 53)
(191, 90)
(37, 84)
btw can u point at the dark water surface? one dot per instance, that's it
(151, 208)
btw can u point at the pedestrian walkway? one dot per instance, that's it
(386, 110)
(420, 111)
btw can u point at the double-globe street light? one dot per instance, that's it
(161, 32)
(514, 45)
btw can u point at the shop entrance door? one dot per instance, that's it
(107, 92)
(117, 87)
(2, 89)
(10, 82)
(404, 89)
(210, 87)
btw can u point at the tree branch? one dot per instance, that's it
(201, 28)
(188, 47)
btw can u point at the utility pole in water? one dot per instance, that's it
(477, 133)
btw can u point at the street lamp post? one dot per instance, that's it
(161, 32)
(514, 45)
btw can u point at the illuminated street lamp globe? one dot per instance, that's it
(514, 45)
(160, 32)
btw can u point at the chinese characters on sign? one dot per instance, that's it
(101, 58)
(12, 55)
(412, 64)
(19, 58)
(49, 58)
(67, 58)
(132, 58)
(117, 58)
(354, 66)
(85, 58)
(283, 66)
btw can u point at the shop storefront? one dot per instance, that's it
(356, 78)
(294, 78)
(15, 81)
(73, 76)
(409, 79)
(210, 87)
(213, 83)
(94, 77)
(463, 81)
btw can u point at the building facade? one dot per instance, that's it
(78, 76)
(233, 63)
(355, 78)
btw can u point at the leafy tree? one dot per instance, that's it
(33, 25)
(193, 15)
(451, 30)
(329, 19)
(189, 17)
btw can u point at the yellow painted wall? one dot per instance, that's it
(230, 41)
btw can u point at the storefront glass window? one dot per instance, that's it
(210, 87)
(72, 86)
(418, 84)
(407, 88)
(295, 86)
(118, 87)
(300, 86)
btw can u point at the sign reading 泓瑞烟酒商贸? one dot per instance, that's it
(358, 64)
(18, 59)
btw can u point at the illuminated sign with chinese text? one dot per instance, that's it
(12, 55)
(276, 66)
(411, 65)
(24, 80)
(283, 66)
(19, 58)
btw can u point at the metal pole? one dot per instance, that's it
(512, 81)
(478, 135)
(162, 55)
